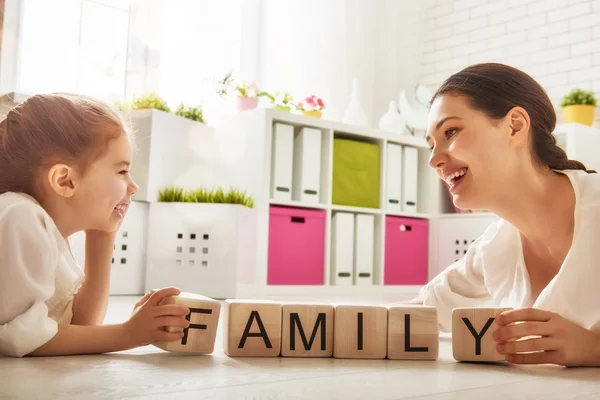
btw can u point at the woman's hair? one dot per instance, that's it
(53, 128)
(495, 89)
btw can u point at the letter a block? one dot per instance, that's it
(307, 330)
(200, 336)
(360, 331)
(413, 333)
(252, 328)
(472, 331)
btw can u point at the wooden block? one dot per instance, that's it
(413, 332)
(472, 331)
(200, 336)
(252, 328)
(307, 330)
(360, 331)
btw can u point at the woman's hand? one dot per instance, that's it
(548, 338)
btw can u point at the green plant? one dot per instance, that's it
(205, 195)
(149, 100)
(578, 96)
(193, 113)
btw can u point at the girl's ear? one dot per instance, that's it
(61, 179)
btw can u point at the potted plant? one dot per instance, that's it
(145, 101)
(247, 93)
(202, 241)
(312, 106)
(578, 106)
(280, 100)
(193, 113)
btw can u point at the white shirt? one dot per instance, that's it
(493, 272)
(38, 276)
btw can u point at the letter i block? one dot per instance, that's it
(472, 331)
(413, 332)
(360, 331)
(307, 330)
(200, 336)
(252, 328)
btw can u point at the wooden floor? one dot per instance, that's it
(151, 373)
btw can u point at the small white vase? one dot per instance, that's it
(392, 121)
(354, 114)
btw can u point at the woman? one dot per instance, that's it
(490, 133)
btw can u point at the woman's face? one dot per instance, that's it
(470, 152)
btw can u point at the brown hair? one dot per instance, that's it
(495, 89)
(52, 128)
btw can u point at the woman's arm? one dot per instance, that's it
(90, 303)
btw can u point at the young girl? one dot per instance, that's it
(64, 168)
(490, 133)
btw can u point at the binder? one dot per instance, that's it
(281, 165)
(306, 182)
(342, 249)
(364, 235)
(410, 179)
(394, 178)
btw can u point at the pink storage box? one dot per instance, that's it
(296, 246)
(406, 247)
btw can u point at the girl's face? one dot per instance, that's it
(470, 152)
(105, 192)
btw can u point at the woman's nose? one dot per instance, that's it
(438, 158)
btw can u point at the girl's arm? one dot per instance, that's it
(145, 326)
(90, 303)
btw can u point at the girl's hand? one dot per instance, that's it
(556, 340)
(150, 318)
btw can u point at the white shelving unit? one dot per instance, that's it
(260, 124)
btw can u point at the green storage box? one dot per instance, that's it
(355, 173)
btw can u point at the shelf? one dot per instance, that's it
(345, 129)
(298, 204)
(363, 210)
(407, 214)
(333, 290)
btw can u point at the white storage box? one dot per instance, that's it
(456, 233)
(282, 159)
(201, 248)
(410, 179)
(129, 257)
(342, 249)
(394, 174)
(364, 249)
(307, 166)
(169, 150)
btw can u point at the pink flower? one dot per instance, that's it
(320, 103)
(299, 105)
(310, 101)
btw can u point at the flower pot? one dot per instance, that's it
(246, 103)
(579, 113)
(281, 108)
(315, 113)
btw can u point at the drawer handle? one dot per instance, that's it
(405, 227)
(394, 201)
(364, 275)
(344, 274)
(299, 220)
(410, 203)
(282, 189)
(310, 191)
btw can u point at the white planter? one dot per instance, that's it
(208, 249)
(456, 233)
(170, 150)
(129, 257)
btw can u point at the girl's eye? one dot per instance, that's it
(450, 132)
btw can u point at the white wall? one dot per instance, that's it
(555, 41)
(318, 47)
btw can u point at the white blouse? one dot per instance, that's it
(38, 276)
(493, 272)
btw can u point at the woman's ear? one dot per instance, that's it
(61, 179)
(519, 125)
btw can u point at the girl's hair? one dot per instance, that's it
(53, 128)
(495, 89)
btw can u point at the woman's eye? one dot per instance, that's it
(124, 172)
(450, 132)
